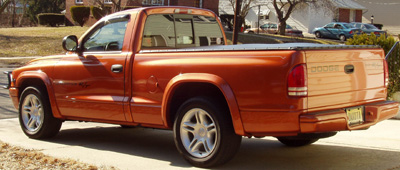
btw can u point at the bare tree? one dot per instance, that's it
(246, 7)
(24, 4)
(3, 5)
(284, 9)
(115, 7)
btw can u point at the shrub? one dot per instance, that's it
(393, 60)
(51, 19)
(80, 14)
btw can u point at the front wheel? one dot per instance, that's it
(35, 115)
(318, 34)
(204, 133)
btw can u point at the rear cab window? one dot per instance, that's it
(173, 31)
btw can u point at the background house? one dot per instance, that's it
(207, 4)
(305, 17)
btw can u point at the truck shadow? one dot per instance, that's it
(253, 154)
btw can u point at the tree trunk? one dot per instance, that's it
(282, 28)
(13, 14)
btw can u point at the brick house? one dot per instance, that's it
(126, 4)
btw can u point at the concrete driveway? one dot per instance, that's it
(141, 148)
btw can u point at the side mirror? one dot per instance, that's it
(70, 43)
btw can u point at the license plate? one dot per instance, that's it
(355, 115)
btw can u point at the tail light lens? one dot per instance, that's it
(297, 81)
(385, 67)
(351, 32)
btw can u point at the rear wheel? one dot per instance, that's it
(35, 115)
(204, 133)
(296, 142)
(342, 37)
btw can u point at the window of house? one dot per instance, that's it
(180, 31)
(109, 36)
(78, 1)
(107, 1)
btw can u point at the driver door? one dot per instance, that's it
(92, 84)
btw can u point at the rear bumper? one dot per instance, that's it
(336, 120)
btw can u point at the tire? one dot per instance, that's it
(35, 115)
(318, 34)
(204, 134)
(342, 37)
(251, 32)
(296, 142)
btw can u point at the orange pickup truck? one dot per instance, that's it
(170, 68)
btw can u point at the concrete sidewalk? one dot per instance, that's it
(141, 148)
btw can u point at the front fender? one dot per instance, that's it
(204, 78)
(26, 75)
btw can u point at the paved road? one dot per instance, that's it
(140, 148)
(7, 110)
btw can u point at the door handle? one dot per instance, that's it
(117, 68)
(349, 69)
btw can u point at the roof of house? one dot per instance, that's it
(348, 4)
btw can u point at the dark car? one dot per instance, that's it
(337, 30)
(368, 28)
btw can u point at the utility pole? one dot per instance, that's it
(236, 21)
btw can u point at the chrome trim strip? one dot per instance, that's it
(262, 47)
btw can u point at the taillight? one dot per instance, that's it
(351, 32)
(385, 67)
(297, 81)
(376, 33)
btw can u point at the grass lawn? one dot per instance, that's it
(35, 41)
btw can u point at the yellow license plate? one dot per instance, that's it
(355, 115)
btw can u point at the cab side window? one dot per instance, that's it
(172, 31)
(108, 36)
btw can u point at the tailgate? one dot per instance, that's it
(344, 78)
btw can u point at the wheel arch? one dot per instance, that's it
(192, 82)
(38, 79)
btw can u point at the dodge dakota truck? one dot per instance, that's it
(171, 68)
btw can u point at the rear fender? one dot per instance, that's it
(203, 78)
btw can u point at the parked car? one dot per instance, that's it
(336, 30)
(272, 28)
(368, 28)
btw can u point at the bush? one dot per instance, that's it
(80, 14)
(51, 19)
(393, 60)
